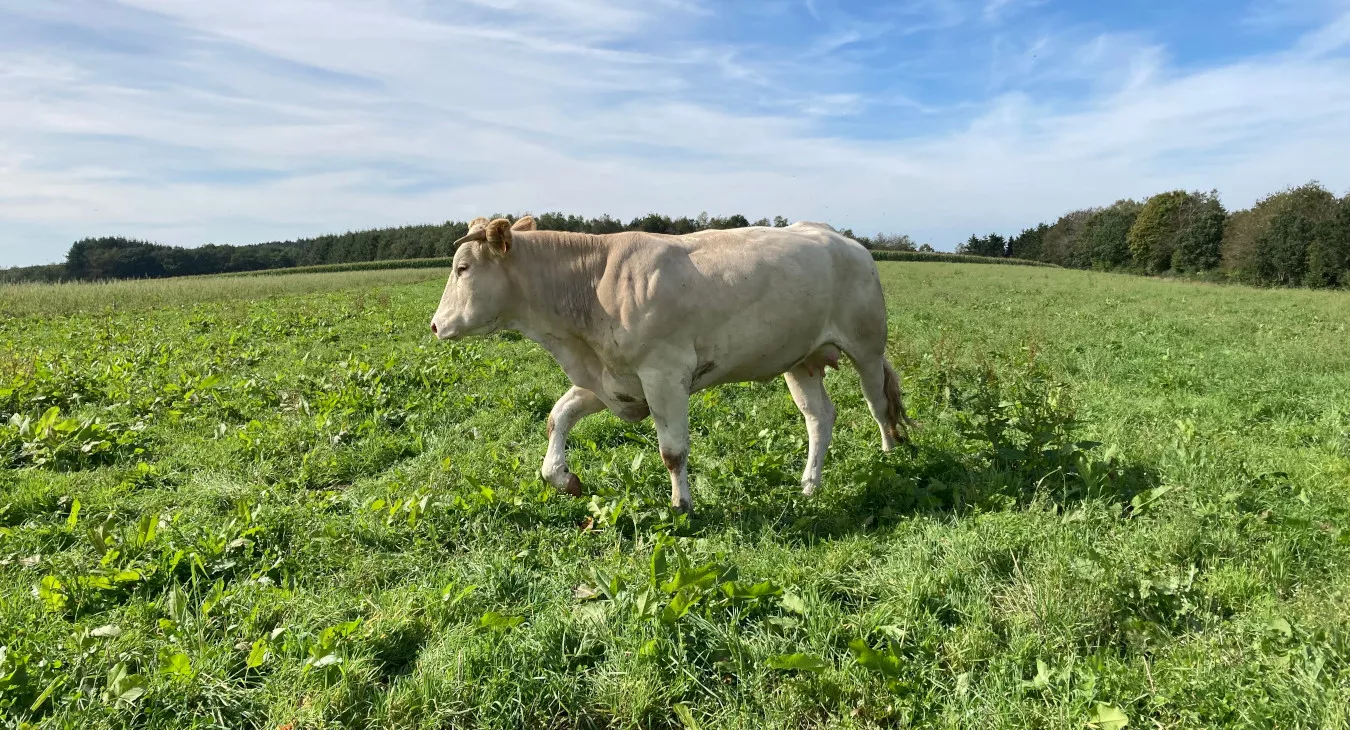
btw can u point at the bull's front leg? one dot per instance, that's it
(575, 405)
(668, 398)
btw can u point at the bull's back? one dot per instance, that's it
(753, 302)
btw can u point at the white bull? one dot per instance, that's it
(640, 321)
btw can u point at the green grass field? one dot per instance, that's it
(143, 294)
(276, 502)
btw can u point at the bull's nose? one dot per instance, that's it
(433, 328)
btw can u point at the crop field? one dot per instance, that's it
(276, 502)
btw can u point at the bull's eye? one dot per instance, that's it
(461, 269)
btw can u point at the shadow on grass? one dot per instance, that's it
(882, 489)
(1015, 445)
(867, 493)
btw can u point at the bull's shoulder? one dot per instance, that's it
(639, 249)
(644, 278)
(634, 260)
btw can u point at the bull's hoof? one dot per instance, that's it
(573, 485)
(683, 508)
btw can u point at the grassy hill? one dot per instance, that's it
(271, 501)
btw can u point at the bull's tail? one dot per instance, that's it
(895, 405)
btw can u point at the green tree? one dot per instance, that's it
(683, 225)
(1329, 250)
(1199, 242)
(1153, 237)
(996, 245)
(1105, 232)
(651, 223)
(1245, 228)
(50, 273)
(1282, 252)
(731, 221)
(1060, 243)
(993, 245)
(1029, 243)
(892, 242)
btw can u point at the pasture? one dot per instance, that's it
(275, 501)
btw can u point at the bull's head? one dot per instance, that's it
(478, 294)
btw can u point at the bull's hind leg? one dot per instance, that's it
(807, 386)
(881, 389)
(575, 405)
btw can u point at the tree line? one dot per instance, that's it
(1296, 237)
(124, 258)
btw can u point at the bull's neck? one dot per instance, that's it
(556, 276)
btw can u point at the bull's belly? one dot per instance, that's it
(741, 352)
(722, 357)
(815, 359)
(623, 394)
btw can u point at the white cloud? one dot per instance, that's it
(387, 115)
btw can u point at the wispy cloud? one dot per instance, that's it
(1333, 37)
(192, 122)
(997, 10)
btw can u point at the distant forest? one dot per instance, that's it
(1296, 237)
(122, 258)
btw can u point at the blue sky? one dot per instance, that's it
(191, 121)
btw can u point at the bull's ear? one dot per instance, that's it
(524, 224)
(498, 236)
